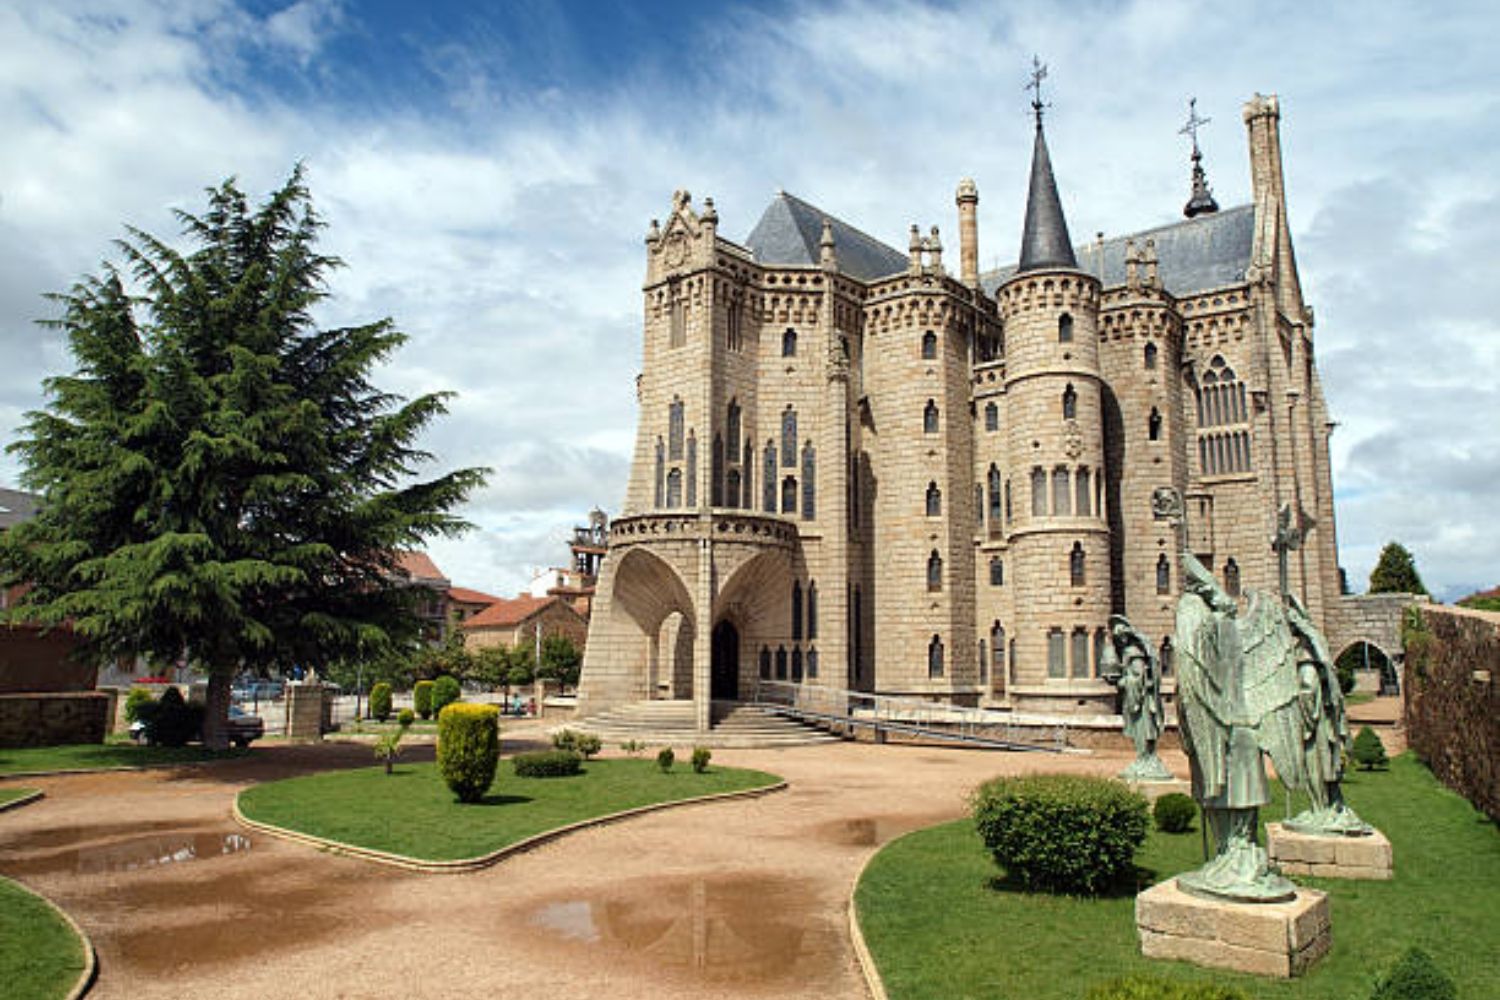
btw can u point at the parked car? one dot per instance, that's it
(243, 728)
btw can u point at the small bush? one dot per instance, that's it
(468, 748)
(1369, 752)
(1061, 833)
(405, 717)
(633, 748)
(388, 748)
(170, 721)
(380, 701)
(1415, 976)
(1156, 988)
(133, 702)
(445, 691)
(421, 697)
(565, 739)
(546, 764)
(665, 759)
(585, 745)
(701, 757)
(1174, 813)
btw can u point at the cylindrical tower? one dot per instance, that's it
(967, 198)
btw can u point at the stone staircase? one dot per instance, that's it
(672, 723)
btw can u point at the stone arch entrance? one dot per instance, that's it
(1367, 659)
(725, 669)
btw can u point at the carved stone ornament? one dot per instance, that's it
(676, 250)
(1072, 440)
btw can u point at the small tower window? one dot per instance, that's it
(1165, 656)
(1007, 502)
(678, 318)
(732, 488)
(812, 664)
(674, 488)
(997, 572)
(1038, 492)
(1081, 508)
(1070, 403)
(812, 610)
(747, 467)
(809, 482)
(1163, 574)
(997, 651)
(1057, 654)
(661, 473)
(1080, 652)
(1099, 640)
(796, 664)
(994, 486)
(789, 343)
(1232, 578)
(991, 417)
(984, 666)
(732, 429)
(716, 474)
(692, 470)
(796, 611)
(674, 431)
(1064, 329)
(934, 500)
(765, 663)
(1150, 356)
(781, 663)
(1153, 425)
(930, 417)
(934, 571)
(1076, 575)
(769, 481)
(1062, 499)
(929, 346)
(935, 657)
(789, 438)
(789, 495)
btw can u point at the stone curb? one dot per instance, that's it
(462, 866)
(24, 800)
(67, 771)
(90, 959)
(873, 983)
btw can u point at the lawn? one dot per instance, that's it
(939, 925)
(92, 756)
(40, 956)
(11, 794)
(412, 813)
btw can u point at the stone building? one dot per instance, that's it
(856, 468)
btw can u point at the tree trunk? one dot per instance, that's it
(388, 764)
(216, 711)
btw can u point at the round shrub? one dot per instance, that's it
(701, 757)
(405, 717)
(1415, 976)
(665, 759)
(170, 721)
(468, 748)
(546, 764)
(133, 702)
(1156, 988)
(1368, 751)
(1174, 813)
(380, 701)
(445, 691)
(421, 697)
(1061, 833)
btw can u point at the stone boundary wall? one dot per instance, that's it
(53, 719)
(1372, 618)
(1452, 703)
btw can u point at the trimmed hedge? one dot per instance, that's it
(421, 697)
(1368, 752)
(546, 764)
(1156, 988)
(170, 721)
(1061, 833)
(701, 757)
(1174, 813)
(585, 745)
(1415, 976)
(665, 758)
(445, 691)
(468, 748)
(133, 702)
(380, 701)
(405, 717)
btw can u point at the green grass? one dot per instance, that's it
(91, 756)
(1359, 697)
(40, 956)
(412, 812)
(940, 925)
(11, 794)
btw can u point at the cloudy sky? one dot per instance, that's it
(488, 172)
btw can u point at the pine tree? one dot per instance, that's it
(221, 483)
(1395, 572)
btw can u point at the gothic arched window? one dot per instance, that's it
(789, 343)
(1153, 425)
(661, 473)
(1232, 578)
(692, 470)
(994, 487)
(984, 665)
(929, 345)
(789, 437)
(934, 571)
(1057, 653)
(997, 572)
(732, 429)
(809, 482)
(796, 611)
(1070, 403)
(1150, 355)
(935, 657)
(1163, 574)
(732, 488)
(716, 474)
(997, 653)
(747, 467)
(1038, 492)
(796, 664)
(781, 663)
(765, 663)
(674, 488)
(769, 481)
(934, 500)
(1064, 328)
(812, 610)
(1076, 575)
(1080, 652)
(812, 664)
(789, 495)
(1081, 491)
(1062, 497)
(1165, 655)
(991, 417)
(1100, 638)
(674, 431)
(930, 417)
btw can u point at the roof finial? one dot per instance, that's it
(1202, 200)
(1038, 74)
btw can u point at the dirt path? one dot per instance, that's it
(743, 898)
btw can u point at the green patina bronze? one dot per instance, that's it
(1130, 665)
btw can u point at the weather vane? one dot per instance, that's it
(1193, 124)
(1038, 74)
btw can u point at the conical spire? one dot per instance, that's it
(1044, 241)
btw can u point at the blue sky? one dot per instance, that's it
(488, 171)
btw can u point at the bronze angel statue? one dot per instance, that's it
(1131, 665)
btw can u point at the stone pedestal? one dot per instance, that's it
(1295, 853)
(304, 713)
(1154, 790)
(1265, 939)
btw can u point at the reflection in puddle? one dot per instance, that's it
(133, 854)
(733, 928)
(865, 831)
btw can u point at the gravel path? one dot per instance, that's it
(742, 898)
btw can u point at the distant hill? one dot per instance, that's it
(1484, 600)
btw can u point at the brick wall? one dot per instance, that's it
(53, 719)
(32, 660)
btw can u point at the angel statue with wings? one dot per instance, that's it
(1130, 665)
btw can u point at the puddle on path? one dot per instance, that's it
(744, 929)
(127, 855)
(867, 831)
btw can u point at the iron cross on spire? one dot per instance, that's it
(1193, 124)
(1038, 74)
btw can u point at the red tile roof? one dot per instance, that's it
(463, 595)
(511, 611)
(420, 567)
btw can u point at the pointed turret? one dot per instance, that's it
(1202, 201)
(1044, 241)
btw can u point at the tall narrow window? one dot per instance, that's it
(1080, 652)
(732, 488)
(1008, 514)
(1099, 640)
(1222, 404)
(661, 473)
(979, 504)
(809, 482)
(796, 664)
(1165, 655)
(1081, 507)
(1163, 574)
(934, 500)
(1076, 574)
(1038, 493)
(716, 474)
(1057, 654)
(768, 483)
(674, 431)
(1062, 498)
(929, 345)
(993, 479)
(1070, 403)
(812, 664)
(674, 488)
(984, 665)
(1150, 355)
(734, 334)
(857, 633)
(930, 417)
(934, 571)
(1064, 328)
(796, 611)
(935, 657)
(991, 417)
(812, 610)
(732, 429)
(781, 663)
(678, 309)
(747, 487)
(789, 438)
(789, 343)
(1153, 425)
(789, 495)
(692, 471)
(997, 572)
(1232, 578)
(765, 663)
(997, 651)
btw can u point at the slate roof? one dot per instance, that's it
(16, 506)
(790, 231)
(1194, 255)
(1044, 238)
